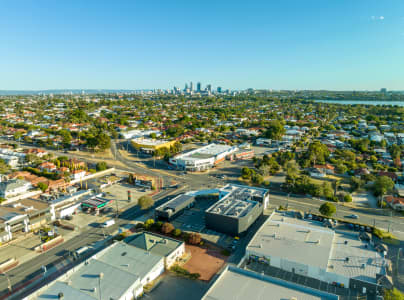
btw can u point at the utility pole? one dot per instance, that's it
(116, 203)
(9, 286)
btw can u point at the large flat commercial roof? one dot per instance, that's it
(69, 293)
(243, 191)
(294, 240)
(232, 207)
(364, 262)
(122, 266)
(114, 282)
(176, 203)
(237, 200)
(149, 142)
(235, 283)
(130, 259)
(309, 243)
(205, 152)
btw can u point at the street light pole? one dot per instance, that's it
(99, 283)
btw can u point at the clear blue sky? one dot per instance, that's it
(278, 44)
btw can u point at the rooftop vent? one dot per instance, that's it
(123, 253)
(363, 266)
(346, 258)
(346, 242)
(60, 295)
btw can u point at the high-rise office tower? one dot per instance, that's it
(186, 87)
(198, 87)
(219, 89)
(191, 86)
(209, 87)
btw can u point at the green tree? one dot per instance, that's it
(327, 190)
(66, 137)
(43, 186)
(145, 202)
(148, 223)
(17, 135)
(4, 168)
(393, 294)
(317, 153)
(348, 198)
(177, 232)
(327, 209)
(275, 130)
(101, 166)
(104, 141)
(383, 185)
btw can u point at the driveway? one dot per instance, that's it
(365, 199)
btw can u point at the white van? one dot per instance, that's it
(108, 223)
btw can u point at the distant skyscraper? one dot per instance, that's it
(383, 90)
(191, 86)
(198, 87)
(219, 89)
(186, 87)
(209, 87)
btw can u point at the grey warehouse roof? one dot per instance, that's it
(308, 243)
(293, 240)
(114, 283)
(235, 283)
(176, 203)
(130, 259)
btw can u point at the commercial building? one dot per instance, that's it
(14, 187)
(203, 158)
(118, 272)
(236, 283)
(22, 216)
(237, 209)
(171, 209)
(143, 181)
(309, 249)
(94, 204)
(136, 133)
(150, 145)
(263, 142)
(169, 248)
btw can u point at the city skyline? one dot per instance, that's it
(343, 45)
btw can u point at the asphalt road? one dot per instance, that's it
(193, 182)
(31, 268)
(366, 216)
